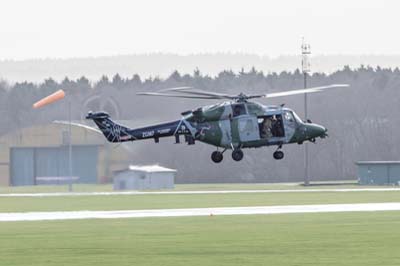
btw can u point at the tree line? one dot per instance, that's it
(363, 121)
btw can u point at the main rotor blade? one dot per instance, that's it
(301, 91)
(176, 89)
(200, 94)
(176, 96)
(190, 90)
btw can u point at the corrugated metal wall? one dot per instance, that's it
(28, 163)
(394, 174)
(22, 166)
(379, 174)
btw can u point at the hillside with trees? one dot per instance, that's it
(363, 121)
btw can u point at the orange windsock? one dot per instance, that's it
(58, 95)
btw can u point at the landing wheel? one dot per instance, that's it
(217, 156)
(237, 155)
(278, 155)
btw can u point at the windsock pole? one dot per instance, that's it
(69, 147)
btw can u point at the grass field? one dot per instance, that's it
(360, 238)
(181, 187)
(296, 239)
(131, 202)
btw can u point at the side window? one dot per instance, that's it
(289, 117)
(290, 120)
(238, 109)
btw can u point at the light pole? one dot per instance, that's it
(305, 65)
(69, 146)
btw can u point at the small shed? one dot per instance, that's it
(144, 177)
(378, 172)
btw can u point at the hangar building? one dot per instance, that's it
(41, 152)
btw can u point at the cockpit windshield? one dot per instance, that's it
(297, 118)
(289, 116)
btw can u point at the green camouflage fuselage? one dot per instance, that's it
(239, 125)
(230, 125)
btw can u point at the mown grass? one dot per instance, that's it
(131, 202)
(185, 187)
(57, 188)
(370, 238)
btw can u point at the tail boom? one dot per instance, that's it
(119, 133)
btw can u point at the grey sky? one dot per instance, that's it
(72, 28)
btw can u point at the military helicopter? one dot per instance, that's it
(234, 125)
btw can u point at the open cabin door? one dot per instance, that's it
(271, 127)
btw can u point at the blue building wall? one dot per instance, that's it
(379, 173)
(29, 163)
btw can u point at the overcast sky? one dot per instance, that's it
(78, 28)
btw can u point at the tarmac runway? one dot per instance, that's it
(114, 193)
(264, 210)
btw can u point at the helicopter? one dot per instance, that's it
(234, 124)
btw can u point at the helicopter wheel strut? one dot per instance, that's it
(217, 156)
(237, 155)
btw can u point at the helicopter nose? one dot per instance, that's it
(324, 134)
(318, 131)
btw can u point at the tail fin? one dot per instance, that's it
(112, 131)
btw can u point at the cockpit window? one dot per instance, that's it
(238, 109)
(298, 119)
(292, 117)
(289, 116)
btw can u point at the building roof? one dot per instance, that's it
(150, 168)
(378, 162)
